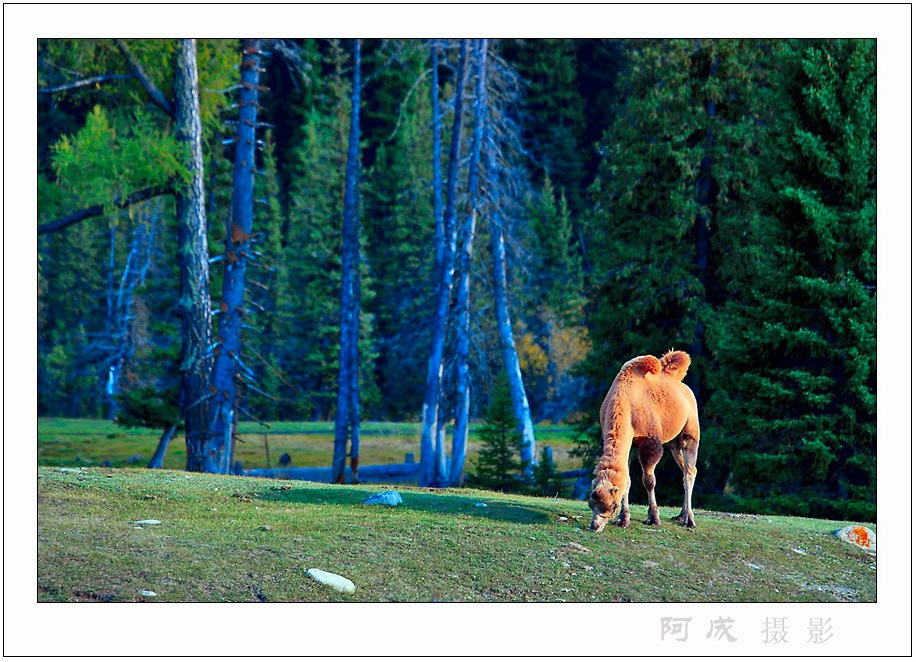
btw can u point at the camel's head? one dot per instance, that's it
(604, 501)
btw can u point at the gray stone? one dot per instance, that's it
(389, 498)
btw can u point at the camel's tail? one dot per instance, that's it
(675, 364)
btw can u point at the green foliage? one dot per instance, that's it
(802, 349)
(557, 274)
(555, 110)
(398, 215)
(499, 465)
(100, 163)
(149, 407)
(546, 480)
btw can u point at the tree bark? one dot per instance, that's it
(504, 324)
(462, 408)
(347, 391)
(444, 285)
(193, 266)
(238, 252)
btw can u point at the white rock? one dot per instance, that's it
(860, 536)
(148, 521)
(148, 594)
(336, 582)
(389, 498)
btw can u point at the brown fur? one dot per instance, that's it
(647, 404)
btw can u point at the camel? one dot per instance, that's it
(650, 406)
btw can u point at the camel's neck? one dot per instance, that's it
(617, 437)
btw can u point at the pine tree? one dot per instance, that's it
(499, 466)
(554, 111)
(672, 202)
(398, 229)
(802, 348)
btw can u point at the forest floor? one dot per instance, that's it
(67, 442)
(243, 539)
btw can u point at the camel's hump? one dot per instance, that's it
(641, 365)
(675, 364)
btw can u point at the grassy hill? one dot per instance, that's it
(248, 539)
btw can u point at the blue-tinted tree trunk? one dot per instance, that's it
(440, 239)
(120, 309)
(229, 361)
(354, 353)
(193, 267)
(347, 391)
(504, 322)
(462, 408)
(444, 286)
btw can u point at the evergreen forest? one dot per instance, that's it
(403, 230)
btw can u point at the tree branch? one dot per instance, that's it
(145, 81)
(82, 83)
(98, 210)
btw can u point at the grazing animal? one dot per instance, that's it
(650, 406)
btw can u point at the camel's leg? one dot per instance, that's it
(623, 520)
(650, 452)
(677, 452)
(684, 449)
(691, 446)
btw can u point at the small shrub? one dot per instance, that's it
(547, 480)
(499, 465)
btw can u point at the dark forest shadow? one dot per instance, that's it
(499, 507)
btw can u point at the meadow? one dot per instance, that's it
(69, 442)
(243, 539)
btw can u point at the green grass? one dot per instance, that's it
(247, 539)
(67, 442)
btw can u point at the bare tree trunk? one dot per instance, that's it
(354, 362)
(444, 286)
(438, 419)
(504, 323)
(462, 408)
(193, 266)
(238, 252)
(347, 393)
(161, 448)
(121, 306)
